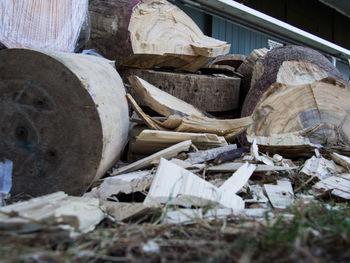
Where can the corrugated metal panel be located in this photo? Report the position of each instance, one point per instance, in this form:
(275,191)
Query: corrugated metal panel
(242,40)
(197,16)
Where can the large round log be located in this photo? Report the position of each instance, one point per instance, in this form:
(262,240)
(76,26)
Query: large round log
(64,119)
(290,65)
(150,33)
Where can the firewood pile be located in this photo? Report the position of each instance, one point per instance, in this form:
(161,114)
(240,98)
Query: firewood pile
(208,135)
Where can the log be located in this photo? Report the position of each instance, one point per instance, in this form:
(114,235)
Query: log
(233,60)
(192,88)
(296,88)
(150,33)
(46,25)
(62,124)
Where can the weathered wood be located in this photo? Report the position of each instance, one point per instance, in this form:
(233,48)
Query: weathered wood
(233,60)
(220,69)
(46,25)
(208,155)
(146,162)
(319,167)
(177,186)
(122,184)
(341,159)
(231,155)
(336,185)
(161,101)
(150,141)
(57,210)
(157,33)
(62,124)
(260,168)
(281,195)
(205,92)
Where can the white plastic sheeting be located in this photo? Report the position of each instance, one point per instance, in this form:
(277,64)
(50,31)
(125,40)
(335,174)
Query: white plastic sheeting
(42,24)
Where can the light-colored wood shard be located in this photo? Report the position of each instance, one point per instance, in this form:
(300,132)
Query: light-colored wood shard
(150,141)
(146,162)
(234,166)
(258,195)
(254,151)
(122,184)
(238,179)
(177,186)
(208,155)
(319,167)
(189,216)
(281,195)
(341,159)
(52,25)
(78,214)
(336,185)
(161,101)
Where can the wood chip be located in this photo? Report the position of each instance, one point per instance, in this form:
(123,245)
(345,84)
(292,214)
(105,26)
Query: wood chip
(281,195)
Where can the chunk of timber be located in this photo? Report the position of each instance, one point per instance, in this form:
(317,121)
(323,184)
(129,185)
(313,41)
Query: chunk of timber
(206,92)
(281,195)
(177,186)
(246,69)
(319,167)
(254,151)
(233,60)
(336,185)
(341,159)
(90,112)
(122,184)
(44,25)
(288,144)
(235,183)
(231,155)
(161,101)
(146,162)
(260,168)
(150,33)
(150,141)
(190,216)
(127,211)
(208,155)
(78,214)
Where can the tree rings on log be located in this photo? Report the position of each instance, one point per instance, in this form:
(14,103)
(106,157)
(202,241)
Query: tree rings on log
(64,119)
(205,92)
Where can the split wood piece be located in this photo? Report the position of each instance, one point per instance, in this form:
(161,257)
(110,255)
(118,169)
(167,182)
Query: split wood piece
(90,112)
(290,66)
(260,168)
(190,216)
(146,162)
(43,25)
(150,122)
(122,184)
(208,155)
(258,196)
(235,183)
(150,33)
(246,69)
(233,60)
(78,214)
(341,159)
(320,107)
(254,151)
(128,211)
(319,167)
(336,185)
(288,144)
(177,186)
(161,101)
(281,195)
(150,141)
(231,155)
(205,92)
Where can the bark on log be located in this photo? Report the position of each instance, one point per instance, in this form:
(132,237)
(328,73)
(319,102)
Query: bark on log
(150,33)
(64,119)
(296,89)
(208,93)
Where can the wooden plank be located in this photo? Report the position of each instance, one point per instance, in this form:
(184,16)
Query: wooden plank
(260,168)
(341,159)
(161,101)
(122,184)
(319,167)
(177,186)
(333,182)
(208,155)
(150,141)
(146,162)
(194,89)
(281,195)
(78,214)
(238,179)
